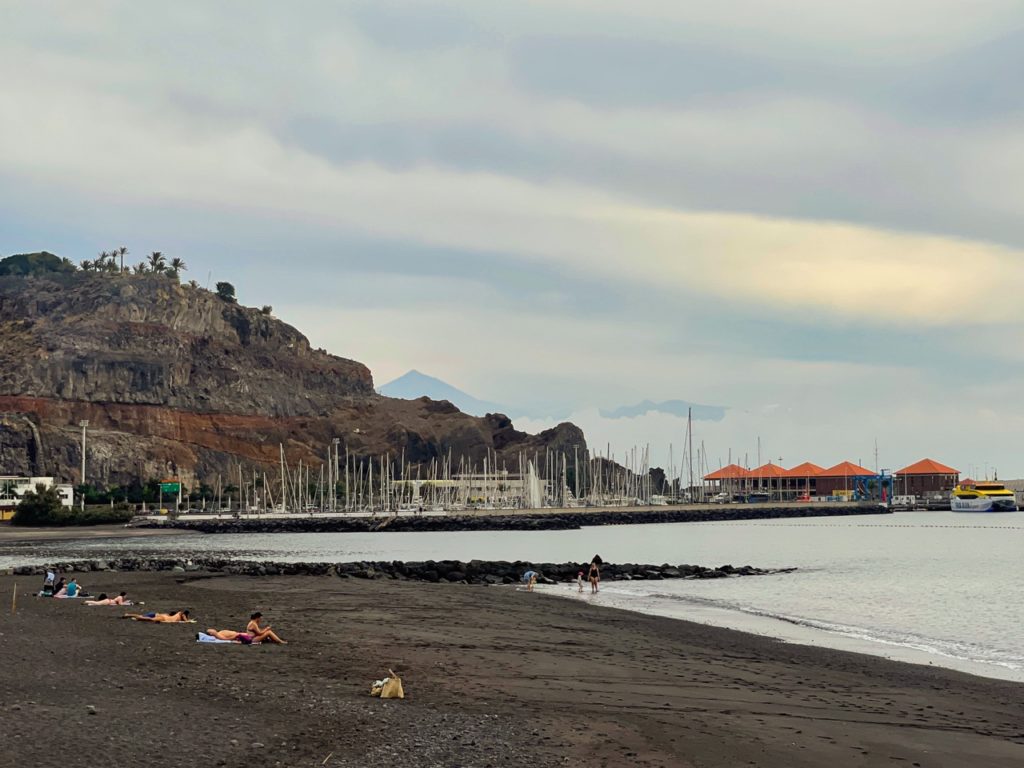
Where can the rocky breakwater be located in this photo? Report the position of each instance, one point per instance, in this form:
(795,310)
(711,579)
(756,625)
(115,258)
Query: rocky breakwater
(492,572)
(520,521)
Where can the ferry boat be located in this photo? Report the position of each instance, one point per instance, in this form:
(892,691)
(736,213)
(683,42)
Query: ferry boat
(984,496)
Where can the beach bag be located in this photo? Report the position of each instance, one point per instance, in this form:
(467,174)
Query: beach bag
(392,688)
(389,687)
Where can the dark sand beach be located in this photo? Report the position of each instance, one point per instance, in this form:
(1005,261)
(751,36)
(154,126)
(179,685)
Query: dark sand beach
(11,534)
(494,677)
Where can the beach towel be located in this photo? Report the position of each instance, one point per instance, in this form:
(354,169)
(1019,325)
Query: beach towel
(202,637)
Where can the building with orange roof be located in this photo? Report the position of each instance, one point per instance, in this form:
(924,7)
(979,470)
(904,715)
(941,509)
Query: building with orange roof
(802,481)
(729,479)
(845,479)
(926,477)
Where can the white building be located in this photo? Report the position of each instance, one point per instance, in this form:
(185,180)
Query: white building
(12,488)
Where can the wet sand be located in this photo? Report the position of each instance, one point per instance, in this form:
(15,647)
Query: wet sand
(494,677)
(10,534)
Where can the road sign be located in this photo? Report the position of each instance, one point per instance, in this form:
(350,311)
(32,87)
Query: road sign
(170,487)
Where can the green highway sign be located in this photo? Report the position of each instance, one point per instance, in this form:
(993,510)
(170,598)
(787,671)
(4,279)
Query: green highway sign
(170,487)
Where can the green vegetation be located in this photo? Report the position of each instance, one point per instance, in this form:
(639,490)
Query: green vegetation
(110,262)
(42,507)
(226,291)
(34,264)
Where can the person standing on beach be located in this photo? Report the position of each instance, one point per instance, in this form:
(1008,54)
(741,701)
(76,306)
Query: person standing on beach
(595,574)
(579,582)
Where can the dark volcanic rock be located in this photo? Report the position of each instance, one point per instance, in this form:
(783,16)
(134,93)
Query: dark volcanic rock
(477,572)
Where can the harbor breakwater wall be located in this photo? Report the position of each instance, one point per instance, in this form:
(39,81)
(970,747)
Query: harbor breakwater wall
(520,521)
(448,571)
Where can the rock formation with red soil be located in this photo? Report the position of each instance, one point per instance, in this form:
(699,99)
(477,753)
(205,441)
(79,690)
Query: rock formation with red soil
(176,381)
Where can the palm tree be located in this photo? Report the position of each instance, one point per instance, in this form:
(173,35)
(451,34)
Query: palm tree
(178,266)
(122,252)
(86,265)
(157,263)
(141,268)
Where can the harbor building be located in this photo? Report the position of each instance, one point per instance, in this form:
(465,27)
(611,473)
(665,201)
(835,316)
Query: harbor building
(845,480)
(926,477)
(12,488)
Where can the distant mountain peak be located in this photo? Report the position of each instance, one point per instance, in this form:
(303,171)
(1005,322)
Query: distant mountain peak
(414,384)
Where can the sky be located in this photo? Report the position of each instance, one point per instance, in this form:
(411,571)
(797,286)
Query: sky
(805,211)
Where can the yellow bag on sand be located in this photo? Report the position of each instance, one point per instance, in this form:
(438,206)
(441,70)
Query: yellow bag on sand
(392,688)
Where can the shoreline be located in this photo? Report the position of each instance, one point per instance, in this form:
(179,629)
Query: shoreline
(494,676)
(786,630)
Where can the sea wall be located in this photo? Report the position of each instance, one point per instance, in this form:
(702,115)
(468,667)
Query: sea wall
(520,521)
(450,571)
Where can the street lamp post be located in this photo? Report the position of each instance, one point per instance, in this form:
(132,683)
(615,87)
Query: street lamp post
(83,424)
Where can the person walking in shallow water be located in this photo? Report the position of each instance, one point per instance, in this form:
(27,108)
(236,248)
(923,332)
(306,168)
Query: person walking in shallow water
(594,576)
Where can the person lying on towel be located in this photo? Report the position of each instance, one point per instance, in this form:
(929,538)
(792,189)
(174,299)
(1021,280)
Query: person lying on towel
(226,636)
(104,600)
(181,617)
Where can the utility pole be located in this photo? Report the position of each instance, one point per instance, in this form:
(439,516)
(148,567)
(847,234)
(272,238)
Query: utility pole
(334,475)
(83,424)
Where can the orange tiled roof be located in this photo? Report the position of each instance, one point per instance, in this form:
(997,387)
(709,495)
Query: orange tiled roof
(846,469)
(728,472)
(807,469)
(768,470)
(928,467)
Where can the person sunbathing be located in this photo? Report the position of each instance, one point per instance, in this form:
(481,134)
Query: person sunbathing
(104,600)
(232,636)
(160,618)
(262,634)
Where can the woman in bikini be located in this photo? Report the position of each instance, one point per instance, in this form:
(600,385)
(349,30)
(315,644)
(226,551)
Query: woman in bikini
(262,634)
(104,600)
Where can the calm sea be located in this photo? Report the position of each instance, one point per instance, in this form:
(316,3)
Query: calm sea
(929,587)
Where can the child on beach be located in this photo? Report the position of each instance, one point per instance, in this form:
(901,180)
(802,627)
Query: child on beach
(579,582)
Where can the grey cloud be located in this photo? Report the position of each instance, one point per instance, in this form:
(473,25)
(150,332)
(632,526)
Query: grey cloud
(613,72)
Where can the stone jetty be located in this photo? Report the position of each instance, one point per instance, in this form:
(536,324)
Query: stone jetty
(448,571)
(518,521)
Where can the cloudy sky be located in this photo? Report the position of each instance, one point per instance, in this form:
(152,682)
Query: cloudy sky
(807,211)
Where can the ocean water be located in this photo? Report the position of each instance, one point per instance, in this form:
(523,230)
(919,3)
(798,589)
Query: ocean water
(928,587)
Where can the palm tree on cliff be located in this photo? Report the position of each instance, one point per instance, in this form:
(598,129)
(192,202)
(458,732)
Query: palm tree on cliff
(178,266)
(122,252)
(86,265)
(157,262)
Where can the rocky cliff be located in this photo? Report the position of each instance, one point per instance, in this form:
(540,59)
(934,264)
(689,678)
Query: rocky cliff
(174,380)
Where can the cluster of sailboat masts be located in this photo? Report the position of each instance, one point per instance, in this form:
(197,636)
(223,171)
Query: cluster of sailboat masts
(345,482)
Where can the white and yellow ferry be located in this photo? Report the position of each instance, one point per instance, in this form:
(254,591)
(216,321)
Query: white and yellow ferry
(983,496)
